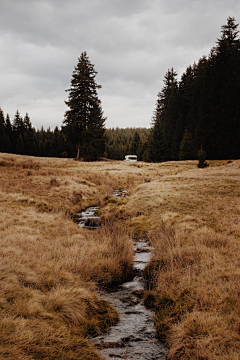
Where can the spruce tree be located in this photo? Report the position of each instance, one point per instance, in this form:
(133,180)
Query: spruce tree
(2,132)
(27,123)
(135,144)
(9,132)
(225,92)
(18,125)
(157,146)
(84,121)
(165,119)
(187,149)
(18,129)
(29,137)
(202,158)
(20,147)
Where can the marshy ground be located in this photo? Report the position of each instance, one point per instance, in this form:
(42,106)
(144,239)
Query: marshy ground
(51,268)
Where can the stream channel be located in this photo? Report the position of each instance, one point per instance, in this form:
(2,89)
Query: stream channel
(134,336)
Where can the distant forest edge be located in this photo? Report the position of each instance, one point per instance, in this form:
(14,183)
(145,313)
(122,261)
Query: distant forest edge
(201,111)
(19,137)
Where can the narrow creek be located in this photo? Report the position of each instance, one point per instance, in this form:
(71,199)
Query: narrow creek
(133,337)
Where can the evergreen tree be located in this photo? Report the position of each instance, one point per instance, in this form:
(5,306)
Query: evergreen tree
(20,147)
(157,146)
(187,150)
(27,123)
(18,129)
(2,132)
(57,143)
(18,125)
(135,144)
(202,157)
(166,117)
(9,134)
(29,137)
(224,92)
(84,120)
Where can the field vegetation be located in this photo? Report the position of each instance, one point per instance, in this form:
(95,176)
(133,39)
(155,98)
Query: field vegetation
(51,269)
(191,217)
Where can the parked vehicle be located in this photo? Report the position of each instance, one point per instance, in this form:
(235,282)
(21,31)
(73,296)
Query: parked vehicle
(131,158)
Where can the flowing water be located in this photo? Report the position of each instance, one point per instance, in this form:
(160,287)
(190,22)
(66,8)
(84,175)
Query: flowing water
(134,336)
(88,218)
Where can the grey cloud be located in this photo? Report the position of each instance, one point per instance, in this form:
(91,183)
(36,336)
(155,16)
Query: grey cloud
(132,44)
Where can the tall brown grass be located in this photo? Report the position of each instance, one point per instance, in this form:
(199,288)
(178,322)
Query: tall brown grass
(191,217)
(51,269)
(194,275)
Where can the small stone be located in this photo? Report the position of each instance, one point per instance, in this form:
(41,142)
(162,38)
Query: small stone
(140,250)
(138,292)
(93,222)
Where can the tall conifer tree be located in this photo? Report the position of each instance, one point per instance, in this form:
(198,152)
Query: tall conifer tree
(84,121)
(2,132)
(225,91)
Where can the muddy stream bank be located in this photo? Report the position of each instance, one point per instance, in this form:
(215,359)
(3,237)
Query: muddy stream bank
(133,337)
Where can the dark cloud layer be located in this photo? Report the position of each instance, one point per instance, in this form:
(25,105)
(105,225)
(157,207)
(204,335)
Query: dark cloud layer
(132,44)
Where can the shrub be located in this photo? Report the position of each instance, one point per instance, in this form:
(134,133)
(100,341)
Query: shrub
(202,159)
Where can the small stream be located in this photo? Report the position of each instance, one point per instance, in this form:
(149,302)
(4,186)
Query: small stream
(88,218)
(133,337)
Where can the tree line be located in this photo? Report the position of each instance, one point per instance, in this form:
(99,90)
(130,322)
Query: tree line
(195,116)
(18,136)
(121,142)
(201,112)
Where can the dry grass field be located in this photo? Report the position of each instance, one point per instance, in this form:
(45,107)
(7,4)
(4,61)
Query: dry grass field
(51,268)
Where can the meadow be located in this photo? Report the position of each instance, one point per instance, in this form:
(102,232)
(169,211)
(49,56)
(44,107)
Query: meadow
(51,269)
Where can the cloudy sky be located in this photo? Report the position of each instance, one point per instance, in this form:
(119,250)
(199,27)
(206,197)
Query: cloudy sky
(131,42)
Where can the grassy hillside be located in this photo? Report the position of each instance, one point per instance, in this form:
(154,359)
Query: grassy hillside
(51,269)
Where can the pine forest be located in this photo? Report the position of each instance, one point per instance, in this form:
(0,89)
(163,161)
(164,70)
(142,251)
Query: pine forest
(198,113)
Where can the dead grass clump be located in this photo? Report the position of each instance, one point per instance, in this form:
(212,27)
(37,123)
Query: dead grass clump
(7,163)
(10,162)
(204,336)
(48,290)
(29,165)
(76,197)
(114,210)
(54,182)
(193,289)
(109,259)
(40,339)
(79,306)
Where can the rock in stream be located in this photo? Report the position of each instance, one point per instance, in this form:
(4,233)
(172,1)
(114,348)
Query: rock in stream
(88,218)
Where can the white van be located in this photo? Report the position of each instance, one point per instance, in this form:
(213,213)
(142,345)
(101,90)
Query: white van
(131,158)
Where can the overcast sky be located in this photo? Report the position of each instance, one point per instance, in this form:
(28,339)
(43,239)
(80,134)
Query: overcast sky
(132,44)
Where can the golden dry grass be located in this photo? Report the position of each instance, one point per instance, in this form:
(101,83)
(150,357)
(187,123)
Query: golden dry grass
(191,217)
(51,268)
